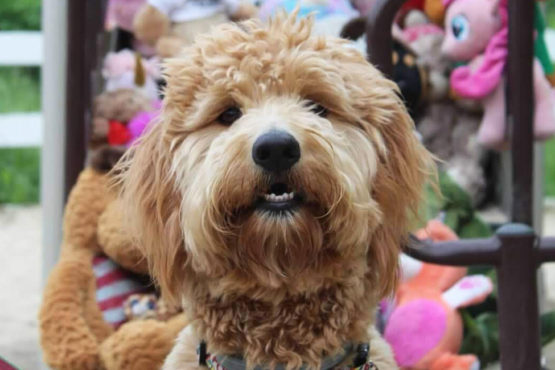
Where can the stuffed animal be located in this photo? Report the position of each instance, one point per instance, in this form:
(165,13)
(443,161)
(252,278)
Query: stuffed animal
(127,70)
(435,11)
(477,32)
(448,126)
(424,327)
(120,13)
(119,18)
(82,318)
(141,122)
(411,77)
(112,111)
(169,25)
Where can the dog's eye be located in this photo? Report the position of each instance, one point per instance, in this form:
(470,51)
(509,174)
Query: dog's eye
(229,116)
(317,109)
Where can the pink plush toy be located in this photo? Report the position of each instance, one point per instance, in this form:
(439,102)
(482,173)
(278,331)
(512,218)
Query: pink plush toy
(127,70)
(141,122)
(424,327)
(477,32)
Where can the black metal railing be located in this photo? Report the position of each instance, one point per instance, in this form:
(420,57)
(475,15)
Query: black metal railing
(515,250)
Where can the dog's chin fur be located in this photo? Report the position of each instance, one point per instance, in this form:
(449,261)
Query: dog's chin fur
(286,287)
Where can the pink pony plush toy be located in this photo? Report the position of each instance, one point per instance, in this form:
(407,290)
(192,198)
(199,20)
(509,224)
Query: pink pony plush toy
(477,32)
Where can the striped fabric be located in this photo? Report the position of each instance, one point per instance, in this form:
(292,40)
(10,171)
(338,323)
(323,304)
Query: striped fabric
(113,286)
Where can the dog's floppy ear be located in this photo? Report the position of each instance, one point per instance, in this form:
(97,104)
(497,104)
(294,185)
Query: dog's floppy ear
(403,169)
(152,207)
(406,166)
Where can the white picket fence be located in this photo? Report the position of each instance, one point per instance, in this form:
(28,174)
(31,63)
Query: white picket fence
(21,48)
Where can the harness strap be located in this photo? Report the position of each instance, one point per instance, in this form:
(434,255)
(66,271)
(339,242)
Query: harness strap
(212,364)
(360,362)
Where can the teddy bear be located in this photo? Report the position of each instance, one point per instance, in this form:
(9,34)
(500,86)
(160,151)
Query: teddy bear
(82,316)
(169,25)
(113,110)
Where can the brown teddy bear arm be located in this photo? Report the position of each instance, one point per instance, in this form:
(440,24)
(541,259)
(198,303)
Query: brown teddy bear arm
(66,338)
(86,202)
(142,344)
(116,240)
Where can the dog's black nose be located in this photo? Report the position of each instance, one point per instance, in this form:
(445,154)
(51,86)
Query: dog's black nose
(276,151)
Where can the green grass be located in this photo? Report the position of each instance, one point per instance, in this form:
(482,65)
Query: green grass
(19,15)
(19,89)
(19,175)
(20,167)
(19,92)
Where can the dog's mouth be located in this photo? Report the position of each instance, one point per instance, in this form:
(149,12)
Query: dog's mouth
(279,198)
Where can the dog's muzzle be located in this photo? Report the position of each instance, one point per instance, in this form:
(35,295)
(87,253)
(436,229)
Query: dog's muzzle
(276,151)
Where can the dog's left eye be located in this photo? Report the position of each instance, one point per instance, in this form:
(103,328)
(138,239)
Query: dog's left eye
(317,109)
(229,116)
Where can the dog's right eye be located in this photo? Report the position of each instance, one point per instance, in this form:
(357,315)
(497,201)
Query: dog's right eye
(317,109)
(229,116)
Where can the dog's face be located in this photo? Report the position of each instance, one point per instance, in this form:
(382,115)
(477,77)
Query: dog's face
(277,157)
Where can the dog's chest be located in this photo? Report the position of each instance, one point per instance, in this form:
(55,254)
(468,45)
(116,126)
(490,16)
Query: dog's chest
(303,325)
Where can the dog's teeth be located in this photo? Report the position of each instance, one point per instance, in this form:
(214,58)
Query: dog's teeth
(279,198)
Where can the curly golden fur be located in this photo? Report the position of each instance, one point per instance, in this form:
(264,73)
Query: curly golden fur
(276,288)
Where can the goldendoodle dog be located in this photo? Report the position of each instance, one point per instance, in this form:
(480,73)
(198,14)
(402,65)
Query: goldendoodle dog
(272,197)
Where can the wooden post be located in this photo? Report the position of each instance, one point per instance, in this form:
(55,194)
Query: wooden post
(520,106)
(517,300)
(85,22)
